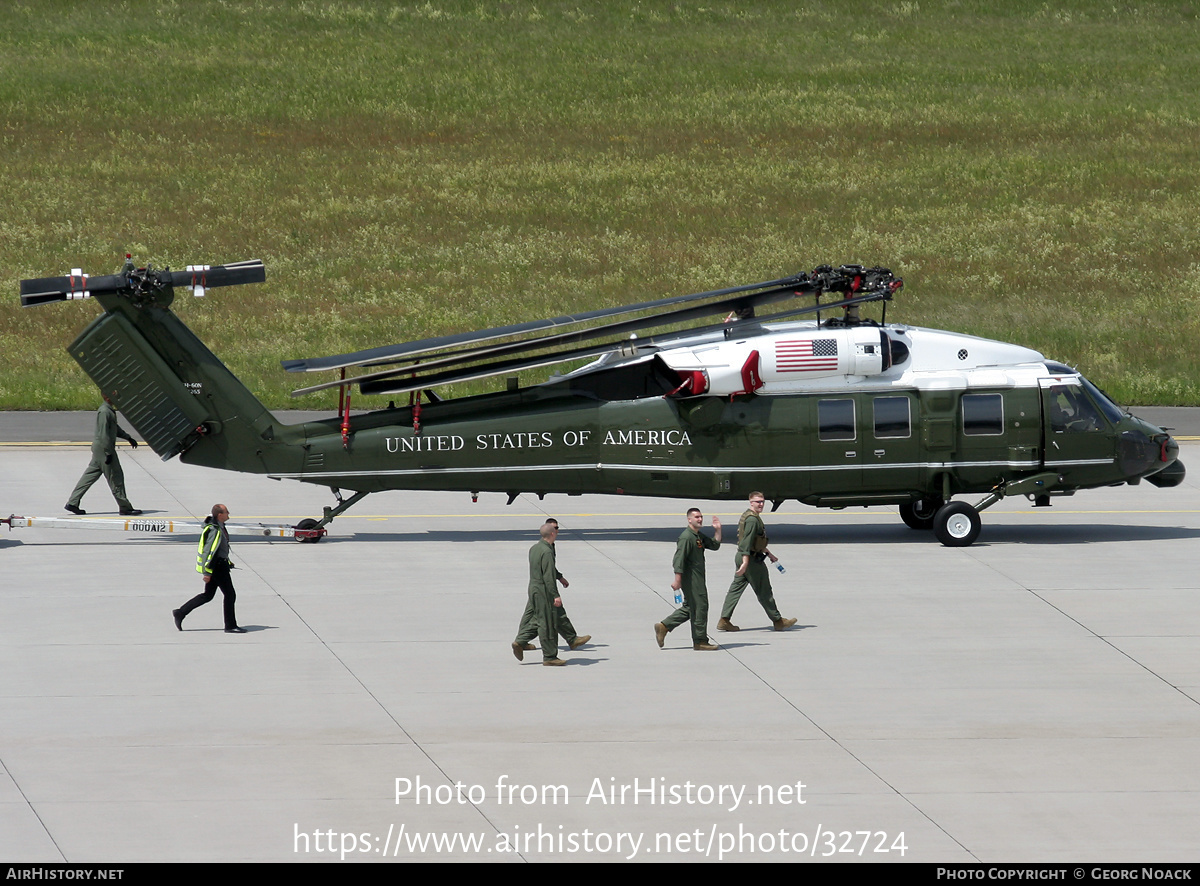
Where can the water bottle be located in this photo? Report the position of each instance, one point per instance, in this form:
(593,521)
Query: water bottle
(679,598)
(779,566)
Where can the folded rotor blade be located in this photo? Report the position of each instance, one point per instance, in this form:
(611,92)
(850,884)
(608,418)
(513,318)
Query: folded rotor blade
(621,327)
(408,350)
(400,381)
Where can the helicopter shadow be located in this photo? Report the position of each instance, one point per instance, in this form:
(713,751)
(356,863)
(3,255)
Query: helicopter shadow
(1077,533)
(798,534)
(458,536)
(1041,534)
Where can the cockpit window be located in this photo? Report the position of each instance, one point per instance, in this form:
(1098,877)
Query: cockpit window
(1071,410)
(1107,406)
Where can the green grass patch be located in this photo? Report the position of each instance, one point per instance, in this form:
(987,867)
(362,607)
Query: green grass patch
(414,169)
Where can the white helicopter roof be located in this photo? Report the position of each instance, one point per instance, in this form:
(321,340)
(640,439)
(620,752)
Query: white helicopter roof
(804,356)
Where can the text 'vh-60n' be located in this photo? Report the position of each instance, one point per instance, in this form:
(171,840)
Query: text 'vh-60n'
(812,402)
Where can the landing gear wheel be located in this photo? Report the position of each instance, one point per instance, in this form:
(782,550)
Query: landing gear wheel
(919,514)
(956,524)
(308,523)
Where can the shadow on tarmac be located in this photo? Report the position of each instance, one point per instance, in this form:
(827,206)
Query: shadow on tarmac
(1040,534)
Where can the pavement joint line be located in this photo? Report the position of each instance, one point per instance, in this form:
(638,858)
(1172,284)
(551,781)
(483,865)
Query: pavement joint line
(853,756)
(1118,649)
(374,698)
(4,768)
(993,568)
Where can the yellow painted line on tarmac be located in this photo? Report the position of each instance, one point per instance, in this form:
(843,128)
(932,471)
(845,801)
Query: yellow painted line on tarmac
(1064,511)
(856,512)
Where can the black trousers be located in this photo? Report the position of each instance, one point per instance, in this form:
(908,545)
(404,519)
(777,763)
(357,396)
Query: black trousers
(220,579)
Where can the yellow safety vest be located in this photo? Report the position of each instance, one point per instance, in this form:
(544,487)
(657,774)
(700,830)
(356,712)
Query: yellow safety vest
(210,539)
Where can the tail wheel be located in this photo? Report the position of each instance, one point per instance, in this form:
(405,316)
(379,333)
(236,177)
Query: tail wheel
(308,523)
(956,524)
(919,514)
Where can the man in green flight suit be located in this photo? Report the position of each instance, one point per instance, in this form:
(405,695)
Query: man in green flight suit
(752,569)
(544,599)
(105,463)
(528,628)
(689,575)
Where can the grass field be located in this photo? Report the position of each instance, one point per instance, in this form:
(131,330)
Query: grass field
(411,169)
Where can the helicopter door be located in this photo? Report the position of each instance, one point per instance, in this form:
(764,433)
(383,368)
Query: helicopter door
(837,451)
(1079,441)
(891,448)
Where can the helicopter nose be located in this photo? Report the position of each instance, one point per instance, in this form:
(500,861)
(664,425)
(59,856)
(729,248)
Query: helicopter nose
(1137,453)
(1174,472)
(1170,449)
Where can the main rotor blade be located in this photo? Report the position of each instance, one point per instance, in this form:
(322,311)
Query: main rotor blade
(407,350)
(376,383)
(621,327)
(873,283)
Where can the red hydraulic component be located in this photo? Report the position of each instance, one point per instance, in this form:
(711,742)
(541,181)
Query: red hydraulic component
(344,409)
(751,374)
(695,382)
(414,402)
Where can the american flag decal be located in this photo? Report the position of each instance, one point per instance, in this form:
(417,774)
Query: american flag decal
(806,355)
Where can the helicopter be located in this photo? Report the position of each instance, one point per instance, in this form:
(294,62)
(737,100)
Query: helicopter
(814,403)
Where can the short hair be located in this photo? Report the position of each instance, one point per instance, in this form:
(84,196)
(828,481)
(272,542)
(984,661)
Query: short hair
(219,509)
(548,529)
(691,511)
(551,520)
(756,495)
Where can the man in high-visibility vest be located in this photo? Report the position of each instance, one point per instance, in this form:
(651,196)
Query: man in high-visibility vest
(213,564)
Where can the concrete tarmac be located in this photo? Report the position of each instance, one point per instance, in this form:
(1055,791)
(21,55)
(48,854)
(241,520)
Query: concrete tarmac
(1031,698)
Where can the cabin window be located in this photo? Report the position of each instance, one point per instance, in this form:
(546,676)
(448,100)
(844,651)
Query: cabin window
(983,414)
(835,419)
(892,417)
